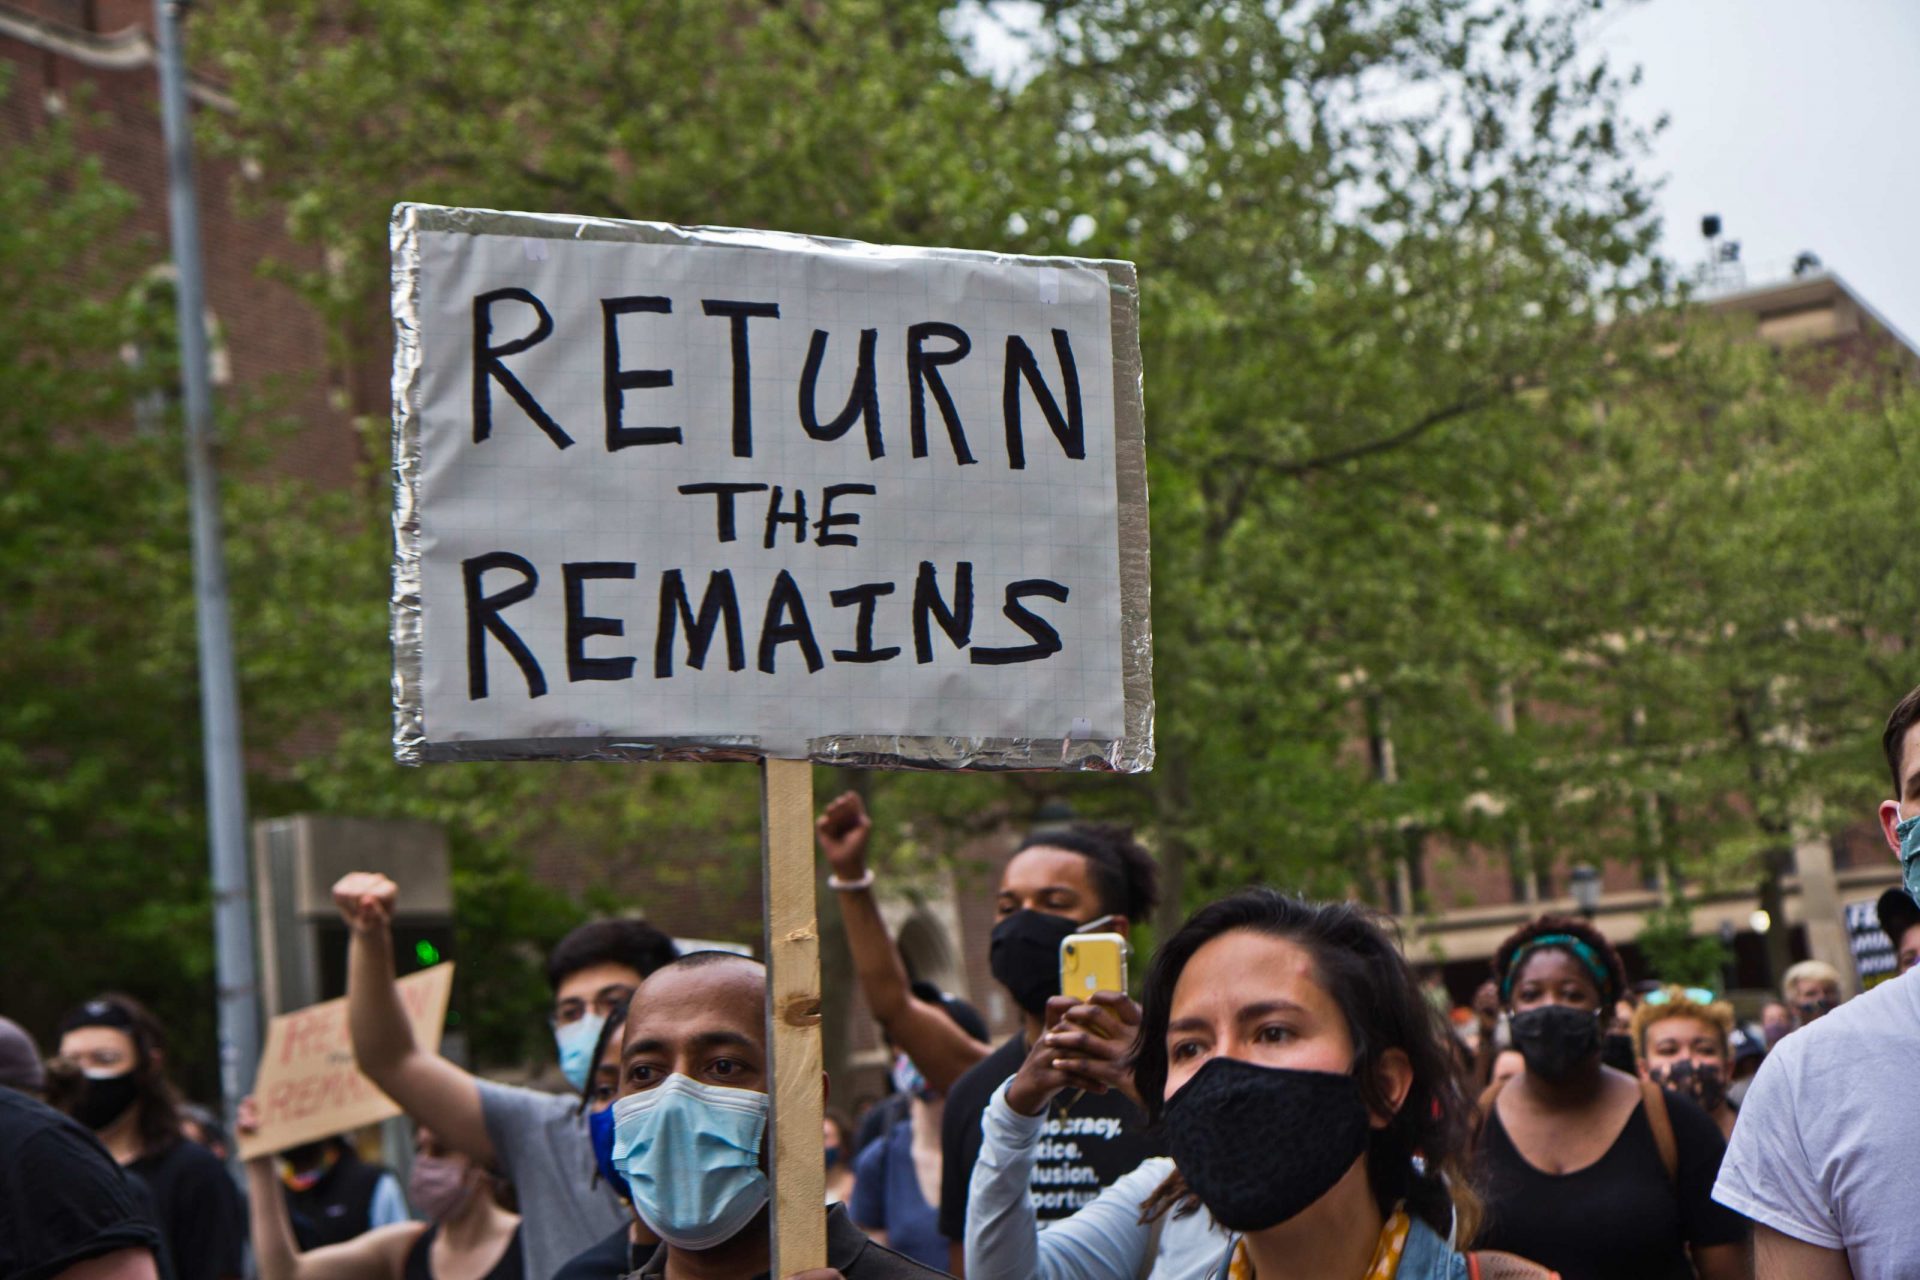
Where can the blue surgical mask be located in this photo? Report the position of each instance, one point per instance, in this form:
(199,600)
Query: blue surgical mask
(576,1041)
(1907,832)
(691,1155)
(600,1129)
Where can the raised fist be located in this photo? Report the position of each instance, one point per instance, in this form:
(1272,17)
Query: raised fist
(843,830)
(366,900)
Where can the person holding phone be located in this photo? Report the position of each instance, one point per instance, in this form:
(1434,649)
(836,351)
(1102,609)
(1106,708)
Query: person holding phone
(1081,877)
(1315,1116)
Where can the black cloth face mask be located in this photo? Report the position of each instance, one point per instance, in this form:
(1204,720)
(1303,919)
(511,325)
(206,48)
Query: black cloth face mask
(104,1099)
(1260,1144)
(1024,955)
(1616,1051)
(1555,1038)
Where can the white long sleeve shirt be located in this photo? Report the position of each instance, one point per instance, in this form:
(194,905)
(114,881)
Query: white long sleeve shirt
(1105,1240)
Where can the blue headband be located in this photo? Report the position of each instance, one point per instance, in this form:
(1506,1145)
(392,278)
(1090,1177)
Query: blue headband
(1579,950)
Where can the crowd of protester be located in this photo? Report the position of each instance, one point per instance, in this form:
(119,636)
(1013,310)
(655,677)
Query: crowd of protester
(1287,1098)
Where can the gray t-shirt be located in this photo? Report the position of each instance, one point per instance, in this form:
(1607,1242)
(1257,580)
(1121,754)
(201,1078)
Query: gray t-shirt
(1823,1150)
(546,1153)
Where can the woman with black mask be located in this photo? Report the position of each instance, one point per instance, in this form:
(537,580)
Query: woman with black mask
(124,1096)
(1585,1168)
(1315,1115)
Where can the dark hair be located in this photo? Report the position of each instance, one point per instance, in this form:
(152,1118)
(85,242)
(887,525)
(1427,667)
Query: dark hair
(838,1119)
(609,1030)
(1616,973)
(633,943)
(1123,873)
(1359,966)
(1905,713)
(156,1100)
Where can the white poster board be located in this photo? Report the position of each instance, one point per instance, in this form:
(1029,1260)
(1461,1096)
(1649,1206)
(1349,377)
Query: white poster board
(697,493)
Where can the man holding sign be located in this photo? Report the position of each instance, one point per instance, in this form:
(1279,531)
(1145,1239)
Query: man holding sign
(537,1138)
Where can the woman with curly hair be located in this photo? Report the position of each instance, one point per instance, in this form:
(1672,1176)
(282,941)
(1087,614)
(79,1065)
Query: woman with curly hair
(1305,1089)
(1585,1168)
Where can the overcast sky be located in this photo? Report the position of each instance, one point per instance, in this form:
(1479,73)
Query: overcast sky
(1798,122)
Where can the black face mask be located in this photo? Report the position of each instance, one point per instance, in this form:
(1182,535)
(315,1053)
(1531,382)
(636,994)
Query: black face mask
(1554,1039)
(1260,1144)
(1617,1052)
(1024,955)
(105,1099)
(1703,1083)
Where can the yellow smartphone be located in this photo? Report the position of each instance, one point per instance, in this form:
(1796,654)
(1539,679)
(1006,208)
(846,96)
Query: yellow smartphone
(1091,962)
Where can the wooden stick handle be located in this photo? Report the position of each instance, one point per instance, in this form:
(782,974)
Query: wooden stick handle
(793,1017)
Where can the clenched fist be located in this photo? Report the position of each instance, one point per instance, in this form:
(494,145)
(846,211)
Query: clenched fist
(366,900)
(843,831)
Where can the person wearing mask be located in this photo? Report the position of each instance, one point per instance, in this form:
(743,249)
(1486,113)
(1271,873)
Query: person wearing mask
(689,1130)
(1900,921)
(467,1233)
(1316,1118)
(1811,990)
(67,1211)
(1822,1159)
(897,1186)
(1776,1022)
(1084,877)
(837,1149)
(1681,1036)
(333,1195)
(1584,1168)
(881,1118)
(539,1140)
(627,1246)
(1748,1051)
(126,1099)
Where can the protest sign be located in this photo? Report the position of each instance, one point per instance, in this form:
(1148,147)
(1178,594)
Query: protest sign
(308,1088)
(698,493)
(1874,958)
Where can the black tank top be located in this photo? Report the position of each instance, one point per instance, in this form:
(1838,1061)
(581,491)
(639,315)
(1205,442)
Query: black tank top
(417,1268)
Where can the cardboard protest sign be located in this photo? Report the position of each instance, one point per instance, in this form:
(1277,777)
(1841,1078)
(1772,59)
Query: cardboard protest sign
(308,1088)
(700,493)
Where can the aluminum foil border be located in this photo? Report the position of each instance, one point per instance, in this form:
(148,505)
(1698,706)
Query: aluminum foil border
(1133,752)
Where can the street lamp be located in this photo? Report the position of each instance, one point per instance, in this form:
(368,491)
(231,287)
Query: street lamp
(1585,883)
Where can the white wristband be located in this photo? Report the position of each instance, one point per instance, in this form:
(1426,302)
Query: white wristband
(838,885)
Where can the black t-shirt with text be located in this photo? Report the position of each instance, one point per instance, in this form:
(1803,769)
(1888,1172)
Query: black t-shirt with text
(63,1200)
(1621,1215)
(1089,1143)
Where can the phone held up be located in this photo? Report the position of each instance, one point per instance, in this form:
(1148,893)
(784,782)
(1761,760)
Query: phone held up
(1091,962)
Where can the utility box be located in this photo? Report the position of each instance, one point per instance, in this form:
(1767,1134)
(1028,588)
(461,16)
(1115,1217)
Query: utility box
(303,941)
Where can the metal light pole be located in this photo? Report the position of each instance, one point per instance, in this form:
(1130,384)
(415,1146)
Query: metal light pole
(219,690)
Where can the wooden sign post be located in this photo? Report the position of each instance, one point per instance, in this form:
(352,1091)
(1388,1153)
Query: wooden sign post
(793,1012)
(695,493)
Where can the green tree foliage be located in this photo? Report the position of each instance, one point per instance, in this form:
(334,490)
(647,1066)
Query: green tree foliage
(1426,439)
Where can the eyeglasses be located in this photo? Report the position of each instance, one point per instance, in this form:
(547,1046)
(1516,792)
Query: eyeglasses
(1698,995)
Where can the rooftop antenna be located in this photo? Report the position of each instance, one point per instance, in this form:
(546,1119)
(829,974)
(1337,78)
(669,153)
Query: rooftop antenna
(1723,269)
